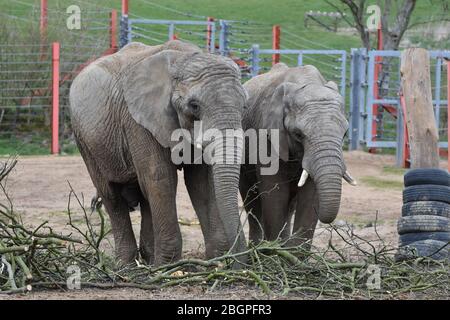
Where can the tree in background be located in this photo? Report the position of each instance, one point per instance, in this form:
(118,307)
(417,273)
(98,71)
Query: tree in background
(395,18)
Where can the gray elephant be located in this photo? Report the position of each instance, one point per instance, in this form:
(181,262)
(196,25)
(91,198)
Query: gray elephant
(124,110)
(309,114)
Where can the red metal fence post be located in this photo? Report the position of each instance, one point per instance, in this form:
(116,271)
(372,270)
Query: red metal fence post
(43,22)
(276,31)
(124,7)
(55,98)
(448,114)
(209,34)
(113,31)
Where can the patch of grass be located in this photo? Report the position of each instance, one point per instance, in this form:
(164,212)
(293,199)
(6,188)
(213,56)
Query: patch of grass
(394,170)
(69,149)
(382,183)
(32,146)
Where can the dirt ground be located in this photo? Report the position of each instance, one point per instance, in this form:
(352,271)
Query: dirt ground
(39,189)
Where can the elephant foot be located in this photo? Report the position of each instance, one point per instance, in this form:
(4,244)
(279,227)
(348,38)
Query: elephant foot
(147,254)
(126,256)
(168,252)
(215,248)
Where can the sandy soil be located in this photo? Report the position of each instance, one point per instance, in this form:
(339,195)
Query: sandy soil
(39,189)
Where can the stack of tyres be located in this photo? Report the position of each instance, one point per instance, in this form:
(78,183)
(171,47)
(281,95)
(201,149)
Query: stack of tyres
(424,228)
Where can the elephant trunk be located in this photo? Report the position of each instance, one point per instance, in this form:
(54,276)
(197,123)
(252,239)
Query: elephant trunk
(226,171)
(327,170)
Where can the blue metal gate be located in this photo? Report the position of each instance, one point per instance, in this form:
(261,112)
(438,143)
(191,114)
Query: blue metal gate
(375,113)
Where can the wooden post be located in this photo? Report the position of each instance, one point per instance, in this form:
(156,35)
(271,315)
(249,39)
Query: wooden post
(276,31)
(420,120)
(55,98)
(113,31)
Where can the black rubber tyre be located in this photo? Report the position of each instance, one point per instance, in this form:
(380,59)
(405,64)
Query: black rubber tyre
(437,250)
(409,238)
(432,208)
(426,192)
(427,176)
(413,224)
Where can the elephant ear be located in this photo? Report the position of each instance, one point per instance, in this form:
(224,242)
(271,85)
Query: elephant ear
(274,117)
(147,88)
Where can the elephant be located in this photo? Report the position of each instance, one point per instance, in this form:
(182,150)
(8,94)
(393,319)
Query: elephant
(308,113)
(124,110)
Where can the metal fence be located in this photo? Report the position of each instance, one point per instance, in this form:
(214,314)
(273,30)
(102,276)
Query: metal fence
(336,62)
(27,71)
(376,117)
(202,33)
(235,39)
(25,92)
(374,77)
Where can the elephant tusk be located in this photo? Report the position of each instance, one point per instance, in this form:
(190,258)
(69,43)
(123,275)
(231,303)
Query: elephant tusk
(303,178)
(347,177)
(198,140)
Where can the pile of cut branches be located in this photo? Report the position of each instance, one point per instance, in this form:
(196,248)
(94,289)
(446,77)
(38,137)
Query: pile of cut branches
(349,267)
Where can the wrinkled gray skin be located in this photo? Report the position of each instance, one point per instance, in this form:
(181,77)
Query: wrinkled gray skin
(124,108)
(309,113)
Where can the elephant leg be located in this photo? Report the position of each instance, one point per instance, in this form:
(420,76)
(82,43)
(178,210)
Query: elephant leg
(158,181)
(274,190)
(117,209)
(161,187)
(198,180)
(119,216)
(306,215)
(147,240)
(248,187)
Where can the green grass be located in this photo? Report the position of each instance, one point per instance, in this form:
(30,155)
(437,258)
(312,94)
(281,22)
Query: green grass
(394,170)
(287,13)
(32,146)
(382,183)
(12,146)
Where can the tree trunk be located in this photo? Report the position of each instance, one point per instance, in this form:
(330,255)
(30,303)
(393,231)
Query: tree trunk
(420,120)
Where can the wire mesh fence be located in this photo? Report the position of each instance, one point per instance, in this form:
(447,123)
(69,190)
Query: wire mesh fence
(25,92)
(26,70)
(383,92)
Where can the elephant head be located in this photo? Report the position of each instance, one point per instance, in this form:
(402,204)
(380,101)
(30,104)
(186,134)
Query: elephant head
(309,113)
(171,90)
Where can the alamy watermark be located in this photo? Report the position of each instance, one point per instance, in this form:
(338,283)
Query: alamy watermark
(73,22)
(373,281)
(213,146)
(373,21)
(73,282)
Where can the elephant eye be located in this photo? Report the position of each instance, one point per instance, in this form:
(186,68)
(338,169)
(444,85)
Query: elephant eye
(299,135)
(194,106)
